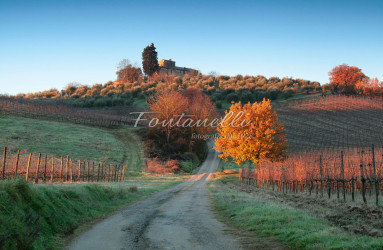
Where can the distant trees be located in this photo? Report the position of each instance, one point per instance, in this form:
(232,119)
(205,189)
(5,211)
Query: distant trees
(351,80)
(128,73)
(251,133)
(149,60)
(344,78)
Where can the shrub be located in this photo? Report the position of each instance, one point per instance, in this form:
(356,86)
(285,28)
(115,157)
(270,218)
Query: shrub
(232,97)
(155,166)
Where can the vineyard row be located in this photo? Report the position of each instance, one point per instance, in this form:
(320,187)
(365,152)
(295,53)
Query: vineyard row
(44,168)
(344,173)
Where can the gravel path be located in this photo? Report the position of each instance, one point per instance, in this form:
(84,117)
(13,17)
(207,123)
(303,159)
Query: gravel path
(176,218)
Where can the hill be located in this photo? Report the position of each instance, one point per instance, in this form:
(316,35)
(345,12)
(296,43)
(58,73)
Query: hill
(332,122)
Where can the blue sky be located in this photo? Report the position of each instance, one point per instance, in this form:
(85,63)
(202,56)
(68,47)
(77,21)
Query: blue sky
(47,44)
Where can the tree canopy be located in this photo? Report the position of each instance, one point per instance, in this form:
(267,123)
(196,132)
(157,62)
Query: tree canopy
(345,78)
(251,133)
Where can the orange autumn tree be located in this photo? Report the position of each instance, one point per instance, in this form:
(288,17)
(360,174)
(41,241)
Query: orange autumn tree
(201,108)
(166,106)
(346,78)
(251,133)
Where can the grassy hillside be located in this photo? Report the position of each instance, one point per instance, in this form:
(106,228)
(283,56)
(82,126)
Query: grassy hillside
(39,216)
(59,138)
(256,215)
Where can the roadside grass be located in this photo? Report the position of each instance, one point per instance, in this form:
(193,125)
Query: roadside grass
(59,138)
(288,225)
(186,166)
(40,216)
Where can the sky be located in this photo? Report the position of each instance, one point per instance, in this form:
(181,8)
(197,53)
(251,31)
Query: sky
(48,44)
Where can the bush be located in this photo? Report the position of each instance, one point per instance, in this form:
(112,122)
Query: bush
(155,166)
(232,97)
(246,96)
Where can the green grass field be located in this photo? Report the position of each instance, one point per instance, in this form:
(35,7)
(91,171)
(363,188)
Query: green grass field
(288,225)
(39,216)
(120,146)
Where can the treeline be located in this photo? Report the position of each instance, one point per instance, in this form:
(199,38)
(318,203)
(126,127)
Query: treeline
(227,88)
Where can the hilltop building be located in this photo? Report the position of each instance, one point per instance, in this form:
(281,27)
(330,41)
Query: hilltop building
(169,67)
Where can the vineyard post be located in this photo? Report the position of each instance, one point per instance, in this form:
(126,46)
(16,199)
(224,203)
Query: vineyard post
(321,175)
(87,177)
(375,179)
(329,186)
(343,181)
(45,167)
(83,171)
(103,171)
(61,168)
(118,172)
(67,168)
(92,171)
(79,170)
(29,164)
(109,173)
(4,161)
(37,170)
(17,162)
(363,179)
(112,173)
(71,170)
(98,172)
(123,173)
(53,168)
(116,169)
(353,188)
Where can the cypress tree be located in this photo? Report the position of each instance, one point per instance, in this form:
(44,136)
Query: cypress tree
(149,60)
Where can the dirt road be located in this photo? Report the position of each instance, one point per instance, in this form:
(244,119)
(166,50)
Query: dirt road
(177,218)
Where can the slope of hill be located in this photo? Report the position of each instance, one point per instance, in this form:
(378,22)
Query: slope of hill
(332,122)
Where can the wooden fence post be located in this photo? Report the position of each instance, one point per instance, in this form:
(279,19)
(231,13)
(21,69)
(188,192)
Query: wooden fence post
(343,181)
(123,173)
(29,164)
(71,170)
(321,175)
(67,168)
(61,168)
(87,177)
(112,173)
(53,168)
(17,162)
(375,179)
(98,172)
(92,171)
(45,167)
(37,170)
(363,179)
(79,170)
(4,161)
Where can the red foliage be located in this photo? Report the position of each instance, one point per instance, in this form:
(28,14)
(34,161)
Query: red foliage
(347,77)
(156,166)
